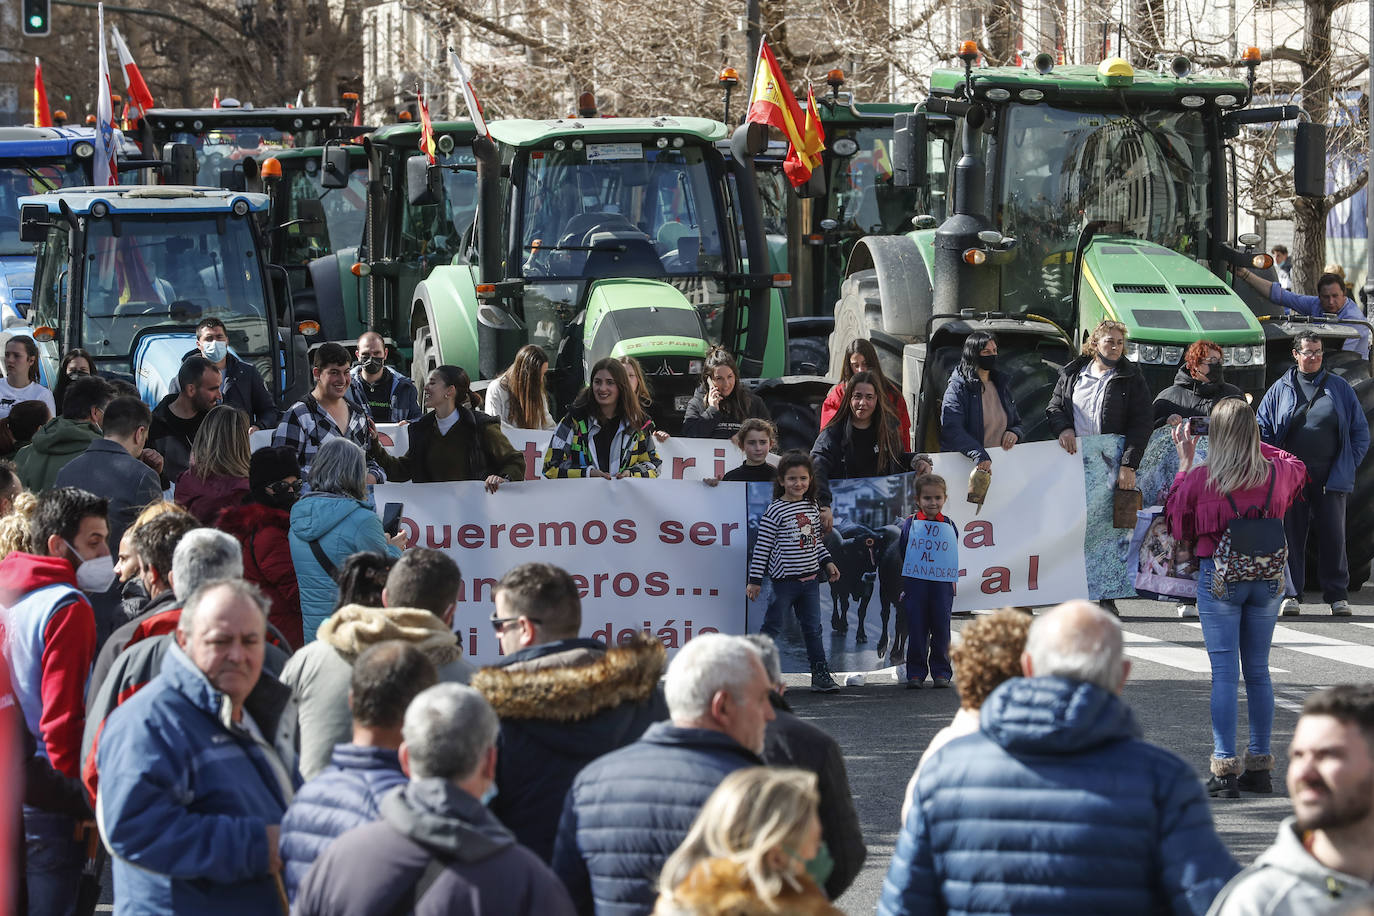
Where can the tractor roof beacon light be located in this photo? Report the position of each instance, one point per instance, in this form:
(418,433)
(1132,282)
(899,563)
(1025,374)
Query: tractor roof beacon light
(586,105)
(271,168)
(1250,59)
(728,79)
(968,53)
(1115,73)
(835,79)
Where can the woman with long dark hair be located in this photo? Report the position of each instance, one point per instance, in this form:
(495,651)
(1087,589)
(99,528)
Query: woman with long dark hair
(978,411)
(606,433)
(519,397)
(862,356)
(723,402)
(75,364)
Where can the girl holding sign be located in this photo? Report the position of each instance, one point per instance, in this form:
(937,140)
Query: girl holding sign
(930,567)
(789,550)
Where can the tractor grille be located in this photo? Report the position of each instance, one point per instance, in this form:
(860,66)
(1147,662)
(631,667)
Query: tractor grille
(1203,290)
(1140,289)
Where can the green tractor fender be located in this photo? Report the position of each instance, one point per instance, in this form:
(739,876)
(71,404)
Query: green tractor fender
(443,321)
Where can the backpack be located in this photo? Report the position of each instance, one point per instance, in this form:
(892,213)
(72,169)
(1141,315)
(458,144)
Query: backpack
(1253,548)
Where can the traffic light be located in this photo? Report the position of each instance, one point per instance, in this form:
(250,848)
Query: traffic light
(37,17)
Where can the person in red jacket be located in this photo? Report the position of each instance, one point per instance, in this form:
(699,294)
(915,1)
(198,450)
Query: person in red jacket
(261,525)
(860,356)
(49,642)
(218,476)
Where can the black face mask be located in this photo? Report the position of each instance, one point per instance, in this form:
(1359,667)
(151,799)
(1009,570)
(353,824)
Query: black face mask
(76,373)
(1109,363)
(372,364)
(1216,374)
(987,361)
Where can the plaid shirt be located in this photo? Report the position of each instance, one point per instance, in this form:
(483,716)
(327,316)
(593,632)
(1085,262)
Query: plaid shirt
(307,426)
(570,451)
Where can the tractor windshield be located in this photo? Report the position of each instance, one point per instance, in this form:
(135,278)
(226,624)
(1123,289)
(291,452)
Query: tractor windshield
(174,272)
(862,199)
(223,149)
(344,211)
(20,177)
(1145,175)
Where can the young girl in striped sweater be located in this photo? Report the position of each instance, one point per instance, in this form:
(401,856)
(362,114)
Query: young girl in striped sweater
(788,550)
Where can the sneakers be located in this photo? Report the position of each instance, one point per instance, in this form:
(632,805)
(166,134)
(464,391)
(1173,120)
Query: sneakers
(913,684)
(821,681)
(1223,786)
(940,682)
(1187,610)
(1340,608)
(1290,608)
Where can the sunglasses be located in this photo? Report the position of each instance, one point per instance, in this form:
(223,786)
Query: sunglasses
(499,624)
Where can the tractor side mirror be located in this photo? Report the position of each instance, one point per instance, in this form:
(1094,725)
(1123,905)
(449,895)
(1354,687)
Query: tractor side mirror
(424,183)
(908,150)
(334,167)
(180,167)
(1309,160)
(34,223)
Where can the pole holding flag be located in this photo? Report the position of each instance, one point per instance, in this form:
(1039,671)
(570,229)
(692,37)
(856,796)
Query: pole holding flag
(140,99)
(106,169)
(460,73)
(42,115)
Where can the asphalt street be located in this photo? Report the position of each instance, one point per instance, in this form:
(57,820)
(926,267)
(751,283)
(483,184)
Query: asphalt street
(883,728)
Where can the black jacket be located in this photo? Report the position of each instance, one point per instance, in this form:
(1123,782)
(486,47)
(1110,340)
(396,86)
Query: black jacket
(1189,397)
(1125,409)
(247,391)
(479,450)
(562,705)
(833,457)
(705,422)
(794,742)
(166,437)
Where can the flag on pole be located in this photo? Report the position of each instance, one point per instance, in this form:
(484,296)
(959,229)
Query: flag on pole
(42,115)
(358,111)
(772,102)
(106,170)
(300,98)
(427,144)
(214,103)
(802,161)
(140,98)
(460,73)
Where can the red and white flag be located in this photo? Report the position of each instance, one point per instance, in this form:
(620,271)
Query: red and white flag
(42,115)
(106,170)
(139,98)
(474,107)
(214,103)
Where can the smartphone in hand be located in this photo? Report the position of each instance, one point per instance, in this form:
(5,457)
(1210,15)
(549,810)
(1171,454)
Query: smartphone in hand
(391,518)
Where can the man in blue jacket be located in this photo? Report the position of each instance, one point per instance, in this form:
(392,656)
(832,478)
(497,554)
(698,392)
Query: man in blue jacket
(199,766)
(1317,416)
(1057,805)
(1330,301)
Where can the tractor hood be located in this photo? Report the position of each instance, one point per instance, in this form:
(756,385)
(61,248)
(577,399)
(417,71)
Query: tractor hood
(1162,296)
(647,319)
(157,357)
(16,287)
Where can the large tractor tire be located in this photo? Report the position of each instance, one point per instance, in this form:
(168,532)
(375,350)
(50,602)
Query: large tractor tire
(1348,364)
(858,313)
(1359,506)
(807,356)
(426,356)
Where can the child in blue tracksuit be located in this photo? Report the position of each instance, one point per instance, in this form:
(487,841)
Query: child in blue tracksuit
(927,603)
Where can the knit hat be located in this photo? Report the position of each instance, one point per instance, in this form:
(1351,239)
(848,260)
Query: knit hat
(268,465)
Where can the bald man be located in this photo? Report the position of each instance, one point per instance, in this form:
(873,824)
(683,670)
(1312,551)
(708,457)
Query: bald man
(1056,802)
(387,395)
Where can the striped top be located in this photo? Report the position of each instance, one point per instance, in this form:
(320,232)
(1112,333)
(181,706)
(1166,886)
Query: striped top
(788,545)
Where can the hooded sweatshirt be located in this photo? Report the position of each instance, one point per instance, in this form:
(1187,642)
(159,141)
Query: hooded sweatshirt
(58,442)
(371,870)
(320,673)
(1287,881)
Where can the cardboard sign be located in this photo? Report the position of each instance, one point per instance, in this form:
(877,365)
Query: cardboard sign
(932,552)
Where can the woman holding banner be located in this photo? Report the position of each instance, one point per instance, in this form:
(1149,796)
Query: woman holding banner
(723,402)
(606,433)
(1237,613)
(978,411)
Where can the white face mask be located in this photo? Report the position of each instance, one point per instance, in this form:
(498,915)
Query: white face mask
(214,350)
(94,576)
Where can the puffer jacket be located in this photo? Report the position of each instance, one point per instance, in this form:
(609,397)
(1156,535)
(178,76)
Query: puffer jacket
(961,414)
(263,532)
(59,441)
(628,810)
(1275,415)
(187,794)
(347,794)
(1286,880)
(1057,806)
(1188,397)
(1126,409)
(719,887)
(562,705)
(342,525)
(206,497)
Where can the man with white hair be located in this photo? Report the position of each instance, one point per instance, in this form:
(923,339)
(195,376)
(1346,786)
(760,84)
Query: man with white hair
(628,810)
(1057,804)
(199,767)
(437,849)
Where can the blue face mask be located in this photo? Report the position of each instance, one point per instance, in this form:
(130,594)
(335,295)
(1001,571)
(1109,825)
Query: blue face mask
(489,795)
(214,350)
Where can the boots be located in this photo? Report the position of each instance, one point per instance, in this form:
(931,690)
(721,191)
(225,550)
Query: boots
(821,681)
(1225,776)
(1256,776)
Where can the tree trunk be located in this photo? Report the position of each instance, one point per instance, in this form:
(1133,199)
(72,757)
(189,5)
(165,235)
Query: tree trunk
(1309,217)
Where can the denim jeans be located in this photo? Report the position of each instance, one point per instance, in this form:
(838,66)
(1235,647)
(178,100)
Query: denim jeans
(54,861)
(1238,630)
(804,599)
(927,606)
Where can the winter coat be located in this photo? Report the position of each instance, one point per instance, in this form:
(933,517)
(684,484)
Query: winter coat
(1188,397)
(374,869)
(169,437)
(1056,806)
(961,414)
(628,810)
(1126,409)
(1199,514)
(706,422)
(835,398)
(187,794)
(342,526)
(107,469)
(572,453)
(58,442)
(320,673)
(49,643)
(791,741)
(833,457)
(1282,400)
(1286,880)
(243,388)
(347,794)
(720,887)
(206,497)
(404,399)
(562,705)
(263,532)
(474,448)
(149,621)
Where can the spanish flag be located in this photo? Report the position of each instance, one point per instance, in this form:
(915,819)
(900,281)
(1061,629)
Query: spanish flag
(802,161)
(773,103)
(427,145)
(42,116)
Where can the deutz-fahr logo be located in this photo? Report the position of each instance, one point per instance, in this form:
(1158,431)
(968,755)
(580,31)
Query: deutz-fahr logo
(664,369)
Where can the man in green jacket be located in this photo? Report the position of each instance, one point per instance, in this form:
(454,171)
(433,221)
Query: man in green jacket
(62,439)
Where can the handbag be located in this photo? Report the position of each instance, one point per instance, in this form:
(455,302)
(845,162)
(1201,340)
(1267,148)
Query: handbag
(1253,548)
(1166,567)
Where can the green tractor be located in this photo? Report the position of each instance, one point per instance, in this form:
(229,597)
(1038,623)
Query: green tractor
(609,237)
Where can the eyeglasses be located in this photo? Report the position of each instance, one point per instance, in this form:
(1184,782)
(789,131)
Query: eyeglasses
(1308,354)
(499,624)
(281,487)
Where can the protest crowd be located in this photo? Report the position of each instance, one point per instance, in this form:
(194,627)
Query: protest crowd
(251,698)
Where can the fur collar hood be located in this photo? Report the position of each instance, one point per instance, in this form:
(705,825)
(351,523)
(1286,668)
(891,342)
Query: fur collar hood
(353,628)
(575,683)
(719,887)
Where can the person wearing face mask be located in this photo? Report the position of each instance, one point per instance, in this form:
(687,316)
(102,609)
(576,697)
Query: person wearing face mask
(262,525)
(1200,383)
(241,385)
(388,396)
(49,643)
(77,363)
(978,411)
